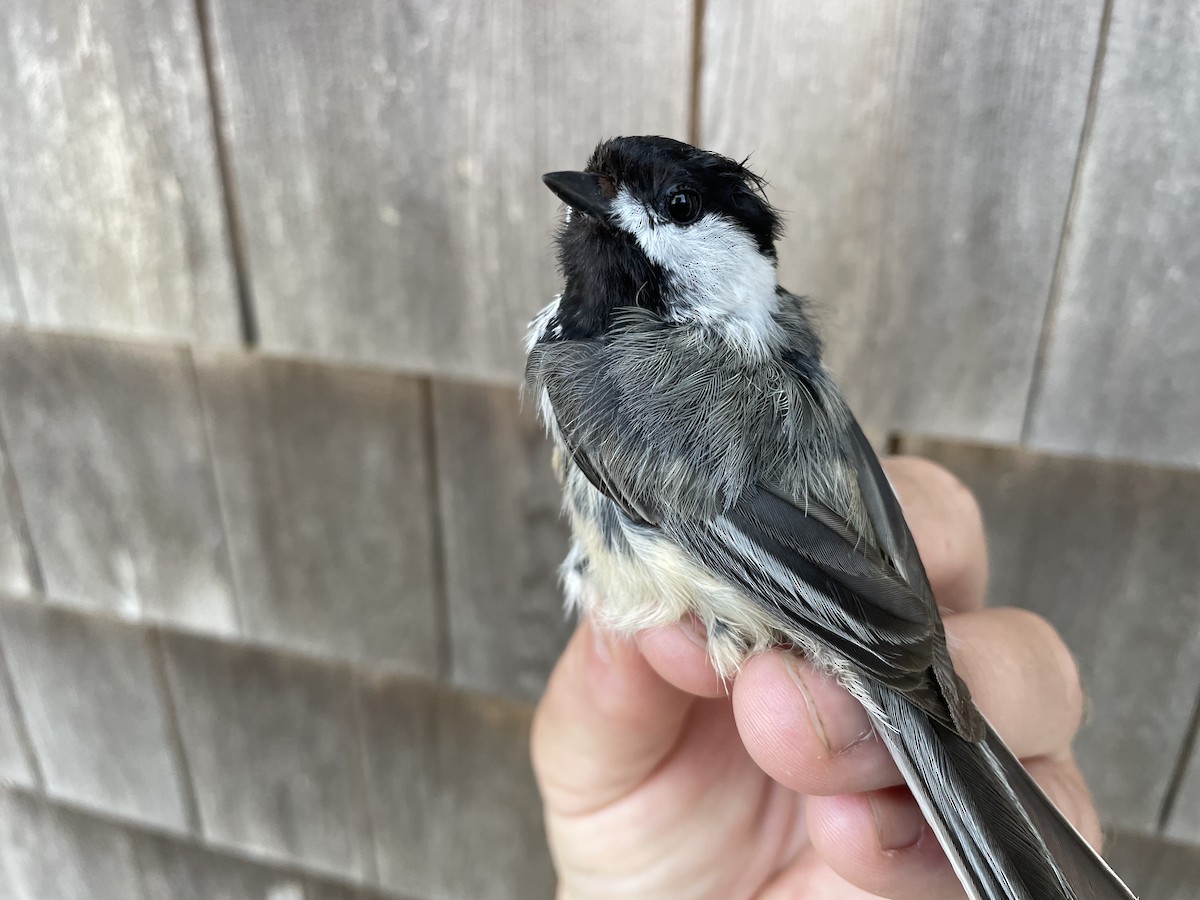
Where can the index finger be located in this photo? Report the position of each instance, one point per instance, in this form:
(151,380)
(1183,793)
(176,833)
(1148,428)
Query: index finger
(947,525)
(604,723)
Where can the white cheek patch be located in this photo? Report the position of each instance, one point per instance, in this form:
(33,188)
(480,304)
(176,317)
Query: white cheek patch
(720,276)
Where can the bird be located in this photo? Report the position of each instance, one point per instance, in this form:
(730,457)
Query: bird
(711,467)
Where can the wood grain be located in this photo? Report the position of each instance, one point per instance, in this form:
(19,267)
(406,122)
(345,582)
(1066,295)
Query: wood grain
(51,853)
(16,761)
(12,304)
(1123,360)
(1107,553)
(108,176)
(96,713)
(108,445)
(324,481)
(388,156)
(14,572)
(1184,821)
(923,155)
(1154,868)
(504,540)
(173,870)
(272,744)
(453,802)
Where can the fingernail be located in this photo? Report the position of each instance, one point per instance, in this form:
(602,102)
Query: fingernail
(840,725)
(898,820)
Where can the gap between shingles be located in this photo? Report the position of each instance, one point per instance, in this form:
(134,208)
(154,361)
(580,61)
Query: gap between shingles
(247,315)
(437,524)
(694,136)
(187,786)
(20,722)
(1054,295)
(8,254)
(11,489)
(1179,772)
(207,426)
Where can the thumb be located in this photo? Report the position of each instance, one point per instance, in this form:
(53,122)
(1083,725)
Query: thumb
(606,721)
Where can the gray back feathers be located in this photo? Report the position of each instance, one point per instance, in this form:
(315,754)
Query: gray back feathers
(683,426)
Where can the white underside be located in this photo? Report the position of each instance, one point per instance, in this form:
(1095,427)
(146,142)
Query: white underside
(655,583)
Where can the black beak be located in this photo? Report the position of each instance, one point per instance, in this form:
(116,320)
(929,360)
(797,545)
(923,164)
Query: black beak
(580,191)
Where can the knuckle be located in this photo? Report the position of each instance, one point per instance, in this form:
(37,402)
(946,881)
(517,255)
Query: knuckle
(953,541)
(960,501)
(954,499)
(1066,787)
(1045,640)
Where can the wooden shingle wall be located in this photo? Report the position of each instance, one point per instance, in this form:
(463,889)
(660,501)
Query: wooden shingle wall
(113,220)
(277,538)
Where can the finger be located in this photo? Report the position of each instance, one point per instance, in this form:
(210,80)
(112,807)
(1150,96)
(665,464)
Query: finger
(679,654)
(804,730)
(947,526)
(807,732)
(880,841)
(1064,784)
(1022,677)
(605,722)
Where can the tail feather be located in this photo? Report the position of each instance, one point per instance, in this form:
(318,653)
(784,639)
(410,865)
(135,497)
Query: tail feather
(1085,870)
(1004,838)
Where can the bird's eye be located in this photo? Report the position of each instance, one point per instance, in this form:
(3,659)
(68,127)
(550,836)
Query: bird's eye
(683,207)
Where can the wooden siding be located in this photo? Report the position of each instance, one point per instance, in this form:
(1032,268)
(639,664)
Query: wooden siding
(923,154)
(392,206)
(1107,553)
(108,445)
(109,183)
(1122,362)
(323,477)
(260,612)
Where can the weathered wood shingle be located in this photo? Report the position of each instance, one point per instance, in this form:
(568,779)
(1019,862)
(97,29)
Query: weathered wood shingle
(504,540)
(109,448)
(108,173)
(922,154)
(453,802)
(97,713)
(272,745)
(325,484)
(1154,868)
(1184,821)
(174,870)
(387,159)
(51,854)
(12,304)
(1123,359)
(1107,553)
(16,761)
(14,572)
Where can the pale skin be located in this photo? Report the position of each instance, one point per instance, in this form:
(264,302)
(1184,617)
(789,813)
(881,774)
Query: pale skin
(660,781)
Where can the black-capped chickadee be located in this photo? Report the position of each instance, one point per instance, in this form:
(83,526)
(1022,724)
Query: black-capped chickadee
(710,466)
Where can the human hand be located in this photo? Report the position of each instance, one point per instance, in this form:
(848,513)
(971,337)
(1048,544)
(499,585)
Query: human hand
(661,782)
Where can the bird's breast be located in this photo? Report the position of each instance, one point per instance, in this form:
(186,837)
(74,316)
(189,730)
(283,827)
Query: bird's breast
(630,577)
